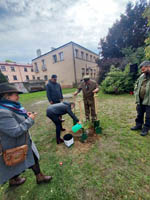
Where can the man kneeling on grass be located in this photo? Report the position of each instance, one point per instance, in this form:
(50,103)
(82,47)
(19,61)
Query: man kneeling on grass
(55,110)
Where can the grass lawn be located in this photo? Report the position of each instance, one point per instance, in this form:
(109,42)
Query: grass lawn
(116,166)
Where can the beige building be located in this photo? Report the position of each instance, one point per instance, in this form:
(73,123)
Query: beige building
(17,72)
(70,62)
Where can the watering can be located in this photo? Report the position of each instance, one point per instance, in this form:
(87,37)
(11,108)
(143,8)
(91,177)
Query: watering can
(76,127)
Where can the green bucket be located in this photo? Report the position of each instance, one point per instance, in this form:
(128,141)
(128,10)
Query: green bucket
(98,130)
(84,136)
(96,123)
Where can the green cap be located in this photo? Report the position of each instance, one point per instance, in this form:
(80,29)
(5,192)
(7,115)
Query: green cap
(145,64)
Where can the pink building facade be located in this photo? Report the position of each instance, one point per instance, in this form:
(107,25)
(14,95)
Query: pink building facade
(17,72)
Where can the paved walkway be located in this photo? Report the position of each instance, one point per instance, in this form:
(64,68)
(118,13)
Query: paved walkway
(66,97)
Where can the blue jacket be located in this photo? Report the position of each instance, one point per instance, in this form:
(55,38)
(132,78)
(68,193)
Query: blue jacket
(54,92)
(61,109)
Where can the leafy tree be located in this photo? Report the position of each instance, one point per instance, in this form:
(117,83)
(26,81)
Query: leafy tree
(118,81)
(147,41)
(2,78)
(105,64)
(134,55)
(129,31)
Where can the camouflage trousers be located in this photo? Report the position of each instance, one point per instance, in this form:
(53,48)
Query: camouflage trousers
(89,106)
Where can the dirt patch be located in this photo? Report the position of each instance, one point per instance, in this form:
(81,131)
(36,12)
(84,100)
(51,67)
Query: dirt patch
(79,147)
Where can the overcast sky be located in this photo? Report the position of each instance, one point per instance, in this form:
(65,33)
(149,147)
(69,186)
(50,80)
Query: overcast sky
(27,25)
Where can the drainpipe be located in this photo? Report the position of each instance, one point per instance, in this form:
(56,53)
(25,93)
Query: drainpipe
(74,66)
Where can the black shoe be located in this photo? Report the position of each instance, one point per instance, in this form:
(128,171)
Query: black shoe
(63,129)
(137,127)
(60,141)
(144,131)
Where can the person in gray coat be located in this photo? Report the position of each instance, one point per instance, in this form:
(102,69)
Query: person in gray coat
(15,123)
(55,110)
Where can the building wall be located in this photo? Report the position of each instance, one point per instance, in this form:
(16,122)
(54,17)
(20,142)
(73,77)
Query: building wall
(69,66)
(85,63)
(63,67)
(17,72)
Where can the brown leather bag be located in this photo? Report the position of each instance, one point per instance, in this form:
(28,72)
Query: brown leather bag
(15,155)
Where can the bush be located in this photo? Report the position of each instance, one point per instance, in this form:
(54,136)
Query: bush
(118,81)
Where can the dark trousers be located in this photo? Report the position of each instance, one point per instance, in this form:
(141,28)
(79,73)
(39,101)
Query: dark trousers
(58,123)
(89,106)
(141,109)
(35,168)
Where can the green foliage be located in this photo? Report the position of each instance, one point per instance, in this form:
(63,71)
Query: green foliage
(2,78)
(129,31)
(9,61)
(146,14)
(87,125)
(134,55)
(118,81)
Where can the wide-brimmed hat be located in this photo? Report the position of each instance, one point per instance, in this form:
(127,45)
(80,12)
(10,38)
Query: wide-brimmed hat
(145,64)
(8,88)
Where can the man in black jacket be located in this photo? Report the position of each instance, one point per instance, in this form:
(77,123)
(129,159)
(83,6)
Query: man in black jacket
(54,91)
(55,110)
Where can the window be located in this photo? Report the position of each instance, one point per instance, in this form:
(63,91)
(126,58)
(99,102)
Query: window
(36,68)
(82,54)
(45,77)
(61,56)
(31,69)
(87,70)
(12,68)
(3,68)
(91,58)
(38,78)
(94,73)
(55,58)
(91,72)
(76,53)
(15,78)
(7,77)
(94,58)
(33,77)
(44,68)
(87,56)
(83,72)
(25,69)
(43,61)
(27,77)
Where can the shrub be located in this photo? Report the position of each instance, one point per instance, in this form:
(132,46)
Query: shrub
(118,81)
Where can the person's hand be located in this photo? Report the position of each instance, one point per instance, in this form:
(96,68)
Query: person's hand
(79,122)
(51,102)
(32,115)
(96,90)
(75,94)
